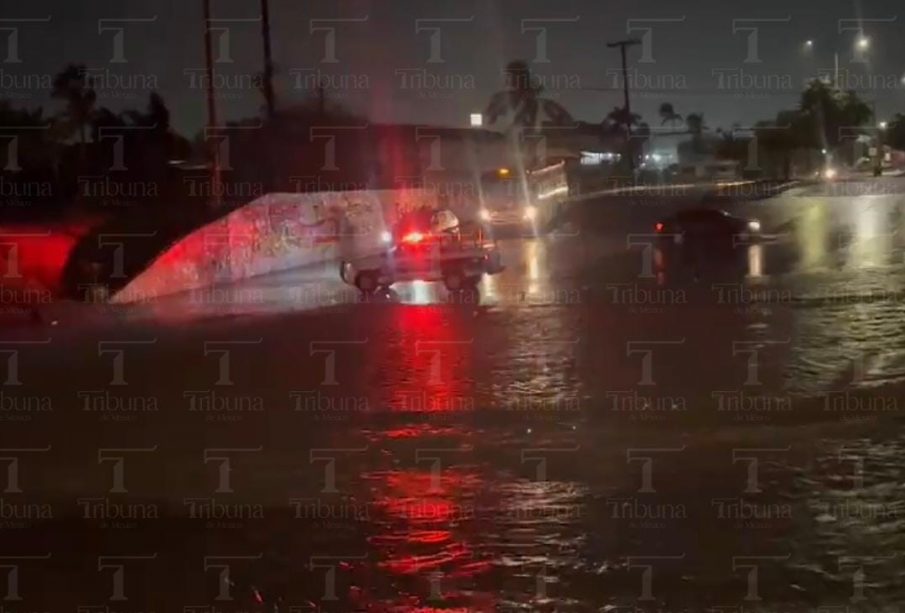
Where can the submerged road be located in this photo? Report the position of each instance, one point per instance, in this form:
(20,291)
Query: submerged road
(607,429)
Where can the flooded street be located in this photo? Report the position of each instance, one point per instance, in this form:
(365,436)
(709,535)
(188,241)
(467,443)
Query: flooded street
(610,428)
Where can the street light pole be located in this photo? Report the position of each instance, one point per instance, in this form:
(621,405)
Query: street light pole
(836,70)
(622,44)
(268,60)
(212,123)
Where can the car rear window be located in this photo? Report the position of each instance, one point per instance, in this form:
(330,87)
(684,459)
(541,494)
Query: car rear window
(701,215)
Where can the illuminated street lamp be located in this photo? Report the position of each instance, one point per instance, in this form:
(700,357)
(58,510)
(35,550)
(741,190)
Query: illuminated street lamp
(862,43)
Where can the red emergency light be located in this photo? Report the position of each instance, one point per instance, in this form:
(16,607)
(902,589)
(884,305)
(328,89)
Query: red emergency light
(413,238)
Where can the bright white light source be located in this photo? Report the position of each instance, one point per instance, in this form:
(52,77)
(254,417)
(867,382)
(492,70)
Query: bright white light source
(830,173)
(484,214)
(754,225)
(530,213)
(386,237)
(863,42)
(477,120)
(594,158)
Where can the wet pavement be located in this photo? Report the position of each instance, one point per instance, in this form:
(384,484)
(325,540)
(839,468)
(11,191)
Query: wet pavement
(608,428)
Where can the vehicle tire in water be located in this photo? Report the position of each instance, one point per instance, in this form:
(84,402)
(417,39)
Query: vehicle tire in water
(366,283)
(454,280)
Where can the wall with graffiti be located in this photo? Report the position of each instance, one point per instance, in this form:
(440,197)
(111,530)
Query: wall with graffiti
(273,233)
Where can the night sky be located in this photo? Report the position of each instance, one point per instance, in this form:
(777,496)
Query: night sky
(385,68)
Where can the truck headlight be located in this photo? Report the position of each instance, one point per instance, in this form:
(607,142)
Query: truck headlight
(530,213)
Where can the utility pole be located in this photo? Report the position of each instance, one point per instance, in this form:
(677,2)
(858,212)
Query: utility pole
(212,123)
(268,60)
(321,100)
(622,44)
(836,70)
(269,97)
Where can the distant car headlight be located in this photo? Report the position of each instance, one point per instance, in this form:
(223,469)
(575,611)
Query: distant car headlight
(530,213)
(830,173)
(386,237)
(484,214)
(754,225)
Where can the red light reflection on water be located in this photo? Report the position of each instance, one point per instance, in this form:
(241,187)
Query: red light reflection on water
(422,518)
(433,359)
(416,431)
(424,502)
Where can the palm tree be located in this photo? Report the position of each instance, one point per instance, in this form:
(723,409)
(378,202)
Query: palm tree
(626,127)
(619,123)
(72,86)
(522,103)
(695,123)
(668,114)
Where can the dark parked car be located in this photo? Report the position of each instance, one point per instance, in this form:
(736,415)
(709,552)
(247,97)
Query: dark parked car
(706,224)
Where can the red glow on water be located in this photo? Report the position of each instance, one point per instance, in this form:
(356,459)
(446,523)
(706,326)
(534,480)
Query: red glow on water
(422,537)
(417,564)
(421,510)
(427,485)
(435,357)
(424,502)
(420,430)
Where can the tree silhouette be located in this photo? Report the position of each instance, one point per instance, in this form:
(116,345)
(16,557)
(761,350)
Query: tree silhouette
(695,123)
(72,86)
(521,101)
(618,121)
(36,147)
(668,114)
(895,135)
(627,127)
(831,115)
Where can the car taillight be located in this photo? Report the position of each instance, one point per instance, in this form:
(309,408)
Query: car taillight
(659,227)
